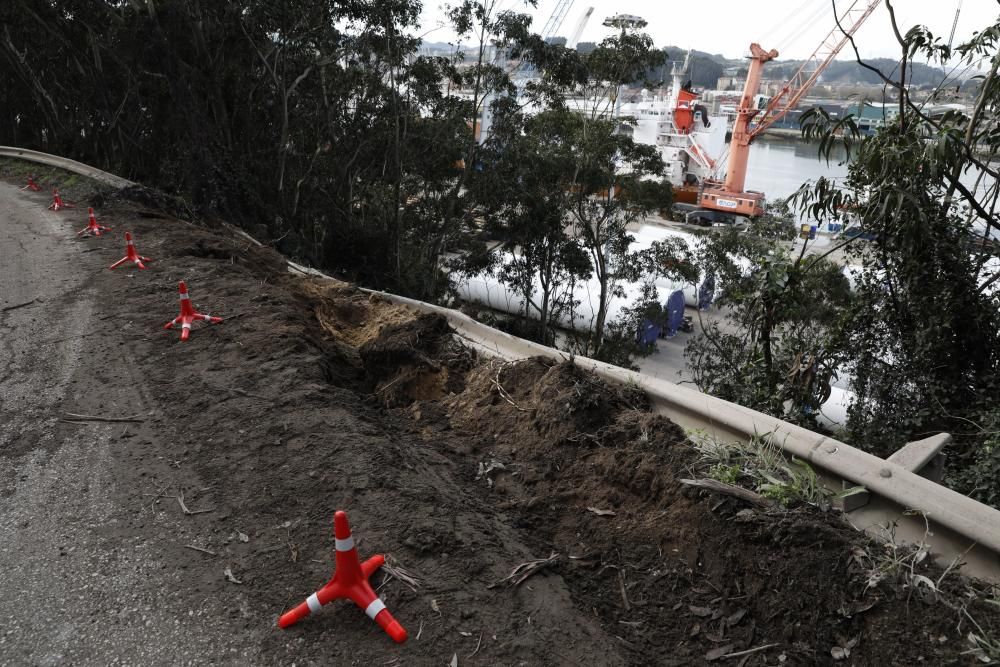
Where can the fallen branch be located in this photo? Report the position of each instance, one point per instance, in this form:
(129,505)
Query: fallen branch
(621,585)
(729,490)
(17,305)
(393,570)
(392,382)
(478,646)
(95,418)
(204,551)
(525,570)
(184,508)
(747,652)
(503,392)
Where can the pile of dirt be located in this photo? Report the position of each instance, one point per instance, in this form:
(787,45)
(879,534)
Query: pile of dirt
(676,576)
(536,507)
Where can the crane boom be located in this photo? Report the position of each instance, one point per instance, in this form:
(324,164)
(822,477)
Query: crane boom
(806,75)
(954,24)
(556,18)
(731,196)
(575,37)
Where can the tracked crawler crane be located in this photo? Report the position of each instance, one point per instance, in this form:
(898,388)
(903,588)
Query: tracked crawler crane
(730,195)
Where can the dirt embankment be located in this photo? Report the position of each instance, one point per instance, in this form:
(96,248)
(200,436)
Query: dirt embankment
(537,508)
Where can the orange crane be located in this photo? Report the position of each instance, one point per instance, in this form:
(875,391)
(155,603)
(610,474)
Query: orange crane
(730,196)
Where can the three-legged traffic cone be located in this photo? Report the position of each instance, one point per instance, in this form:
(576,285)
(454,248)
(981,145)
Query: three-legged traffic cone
(92,228)
(188,314)
(350,581)
(131,255)
(57,202)
(31,185)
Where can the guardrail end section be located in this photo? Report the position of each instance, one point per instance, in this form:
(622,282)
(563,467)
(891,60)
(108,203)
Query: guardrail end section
(923,457)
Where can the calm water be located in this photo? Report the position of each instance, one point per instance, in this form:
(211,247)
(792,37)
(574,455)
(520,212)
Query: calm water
(777,168)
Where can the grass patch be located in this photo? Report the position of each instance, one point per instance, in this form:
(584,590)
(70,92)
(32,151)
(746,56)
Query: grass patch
(73,187)
(759,465)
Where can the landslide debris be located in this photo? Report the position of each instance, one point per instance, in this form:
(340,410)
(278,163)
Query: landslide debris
(314,396)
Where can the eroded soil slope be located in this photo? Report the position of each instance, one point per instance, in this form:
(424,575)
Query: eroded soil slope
(313,396)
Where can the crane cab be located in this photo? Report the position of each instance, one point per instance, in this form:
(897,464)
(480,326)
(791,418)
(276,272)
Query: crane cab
(715,197)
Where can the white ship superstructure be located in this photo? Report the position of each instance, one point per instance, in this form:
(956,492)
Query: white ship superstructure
(690,140)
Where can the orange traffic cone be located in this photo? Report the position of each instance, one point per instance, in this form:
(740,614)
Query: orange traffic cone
(188,314)
(31,185)
(92,228)
(57,202)
(131,255)
(350,581)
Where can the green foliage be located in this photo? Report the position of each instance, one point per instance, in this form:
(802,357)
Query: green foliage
(759,465)
(923,334)
(313,123)
(919,337)
(818,127)
(559,189)
(977,474)
(648,194)
(777,223)
(777,349)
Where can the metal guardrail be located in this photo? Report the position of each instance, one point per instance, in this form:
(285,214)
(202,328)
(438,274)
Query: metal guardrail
(909,507)
(914,509)
(65,163)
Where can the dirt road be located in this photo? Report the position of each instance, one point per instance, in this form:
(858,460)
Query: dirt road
(83,579)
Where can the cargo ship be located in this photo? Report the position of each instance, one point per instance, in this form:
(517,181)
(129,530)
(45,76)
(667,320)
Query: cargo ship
(689,139)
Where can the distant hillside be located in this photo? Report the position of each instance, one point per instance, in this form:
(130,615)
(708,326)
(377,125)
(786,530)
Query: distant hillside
(838,72)
(706,68)
(843,71)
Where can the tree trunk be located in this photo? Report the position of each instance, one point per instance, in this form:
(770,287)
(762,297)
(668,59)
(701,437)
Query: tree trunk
(600,269)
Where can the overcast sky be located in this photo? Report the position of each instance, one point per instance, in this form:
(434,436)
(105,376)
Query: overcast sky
(794,27)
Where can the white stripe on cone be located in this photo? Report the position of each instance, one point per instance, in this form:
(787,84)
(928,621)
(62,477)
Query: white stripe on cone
(344,545)
(374,608)
(313,602)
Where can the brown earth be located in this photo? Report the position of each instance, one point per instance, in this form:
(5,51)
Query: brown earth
(313,396)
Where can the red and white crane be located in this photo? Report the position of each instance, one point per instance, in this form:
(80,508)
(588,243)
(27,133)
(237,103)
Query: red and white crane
(730,196)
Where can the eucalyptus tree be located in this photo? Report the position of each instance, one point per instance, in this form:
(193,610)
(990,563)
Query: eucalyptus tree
(561,182)
(524,206)
(776,345)
(919,337)
(925,334)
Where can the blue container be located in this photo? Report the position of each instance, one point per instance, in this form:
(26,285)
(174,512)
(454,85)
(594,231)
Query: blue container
(674,308)
(706,292)
(648,333)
